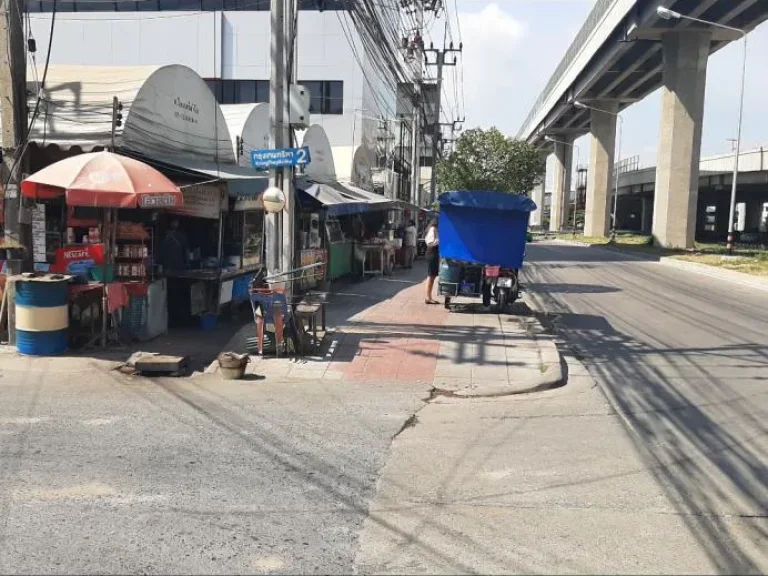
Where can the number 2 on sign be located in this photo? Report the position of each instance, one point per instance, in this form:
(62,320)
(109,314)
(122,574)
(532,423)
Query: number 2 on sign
(303,156)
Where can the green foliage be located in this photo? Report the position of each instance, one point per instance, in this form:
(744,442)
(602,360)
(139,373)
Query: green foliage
(488,160)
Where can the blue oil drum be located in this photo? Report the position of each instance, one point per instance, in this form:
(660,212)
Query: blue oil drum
(450,271)
(42,315)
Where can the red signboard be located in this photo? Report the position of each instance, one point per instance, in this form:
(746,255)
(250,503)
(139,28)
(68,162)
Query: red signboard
(78,259)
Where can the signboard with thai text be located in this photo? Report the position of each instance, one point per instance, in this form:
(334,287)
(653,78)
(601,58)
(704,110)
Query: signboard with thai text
(202,202)
(280,158)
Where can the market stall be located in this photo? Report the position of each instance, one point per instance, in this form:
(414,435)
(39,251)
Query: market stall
(103,236)
(351,219)
(218,234)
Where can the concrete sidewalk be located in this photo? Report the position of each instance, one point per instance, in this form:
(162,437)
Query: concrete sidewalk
(547,483)
(382,331)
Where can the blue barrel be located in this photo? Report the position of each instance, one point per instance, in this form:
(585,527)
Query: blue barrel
(450,271)
(42,315)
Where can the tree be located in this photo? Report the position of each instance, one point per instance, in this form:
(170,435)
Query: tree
(488,160)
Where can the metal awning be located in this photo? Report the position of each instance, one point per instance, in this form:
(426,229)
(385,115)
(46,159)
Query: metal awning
(340,198)
(241,182)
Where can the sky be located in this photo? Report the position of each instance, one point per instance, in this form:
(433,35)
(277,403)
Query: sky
(511,48)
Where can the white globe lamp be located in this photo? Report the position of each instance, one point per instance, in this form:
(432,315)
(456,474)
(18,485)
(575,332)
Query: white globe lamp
(273,200)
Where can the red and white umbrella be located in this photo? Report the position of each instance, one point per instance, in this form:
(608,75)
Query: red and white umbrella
(103,180)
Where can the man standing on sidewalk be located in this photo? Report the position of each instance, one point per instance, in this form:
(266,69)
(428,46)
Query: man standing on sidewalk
(409,242)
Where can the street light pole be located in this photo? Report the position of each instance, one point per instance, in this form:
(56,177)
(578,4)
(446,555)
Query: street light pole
(277,79)
(578,153)
(583,106)
(667,14)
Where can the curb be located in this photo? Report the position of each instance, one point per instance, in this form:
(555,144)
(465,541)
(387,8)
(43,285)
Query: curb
(555,376)
(568,242)
(718,273)
(67,363)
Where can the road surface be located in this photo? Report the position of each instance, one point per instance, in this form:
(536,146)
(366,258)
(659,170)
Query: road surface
(109,474)
(683,359)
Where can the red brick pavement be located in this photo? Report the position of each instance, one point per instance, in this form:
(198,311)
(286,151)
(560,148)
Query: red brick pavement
(391,340)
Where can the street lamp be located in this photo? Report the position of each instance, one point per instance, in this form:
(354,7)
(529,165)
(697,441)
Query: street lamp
(582,106)
(667,14)
(576,199)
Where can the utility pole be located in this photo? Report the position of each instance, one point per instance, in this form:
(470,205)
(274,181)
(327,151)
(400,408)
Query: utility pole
(13,118)
(436,128)
(418,77)
(276,125)
(289,65)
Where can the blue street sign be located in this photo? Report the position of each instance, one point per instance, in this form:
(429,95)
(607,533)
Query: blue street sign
(265,159)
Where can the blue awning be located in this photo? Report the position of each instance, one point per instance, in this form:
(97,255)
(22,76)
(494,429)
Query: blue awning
(487,200)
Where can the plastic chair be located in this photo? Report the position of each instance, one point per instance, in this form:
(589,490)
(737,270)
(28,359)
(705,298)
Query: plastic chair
(274,310)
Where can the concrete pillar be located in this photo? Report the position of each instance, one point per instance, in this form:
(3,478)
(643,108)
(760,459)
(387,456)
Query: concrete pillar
(537,194)
(562,182)
(682,113)
(597,215)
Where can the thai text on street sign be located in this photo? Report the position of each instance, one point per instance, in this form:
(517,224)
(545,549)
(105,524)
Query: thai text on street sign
(265,159)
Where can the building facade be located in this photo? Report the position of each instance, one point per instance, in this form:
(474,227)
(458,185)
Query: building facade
(227,43)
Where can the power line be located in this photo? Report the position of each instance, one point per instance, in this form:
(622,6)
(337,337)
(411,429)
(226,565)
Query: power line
(23,147)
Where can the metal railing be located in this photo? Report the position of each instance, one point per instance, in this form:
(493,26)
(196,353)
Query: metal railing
(631,164)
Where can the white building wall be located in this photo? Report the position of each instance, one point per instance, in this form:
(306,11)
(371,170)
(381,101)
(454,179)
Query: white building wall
(131,39)
(231,45)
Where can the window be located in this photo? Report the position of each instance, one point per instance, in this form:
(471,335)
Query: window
(239,91)
(322,5)
(227,92)
(334,97)
(245,91)
(255,5)
(160,5)
(215,86)
(326,96)
(91,6)
(148,5)
(180,4)
(262,90)
(127,5)
(47,6)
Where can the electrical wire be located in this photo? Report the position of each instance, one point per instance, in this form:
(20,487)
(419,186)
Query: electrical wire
(23,147)
(376,96)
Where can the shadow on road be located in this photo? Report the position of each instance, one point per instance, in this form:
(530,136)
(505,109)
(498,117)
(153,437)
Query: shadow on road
(570,288)
(576,253)
(702,444)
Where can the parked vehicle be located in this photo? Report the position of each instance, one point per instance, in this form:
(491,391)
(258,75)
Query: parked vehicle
(482,245)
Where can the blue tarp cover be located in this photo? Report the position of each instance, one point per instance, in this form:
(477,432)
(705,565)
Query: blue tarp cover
(488,200)
(484,227)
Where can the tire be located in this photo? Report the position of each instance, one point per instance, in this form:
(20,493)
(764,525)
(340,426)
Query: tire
(447,303)
(486,296)
(503,299)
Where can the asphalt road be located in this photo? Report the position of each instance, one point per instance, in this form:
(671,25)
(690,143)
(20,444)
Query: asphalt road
(105,474)
(683,359)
